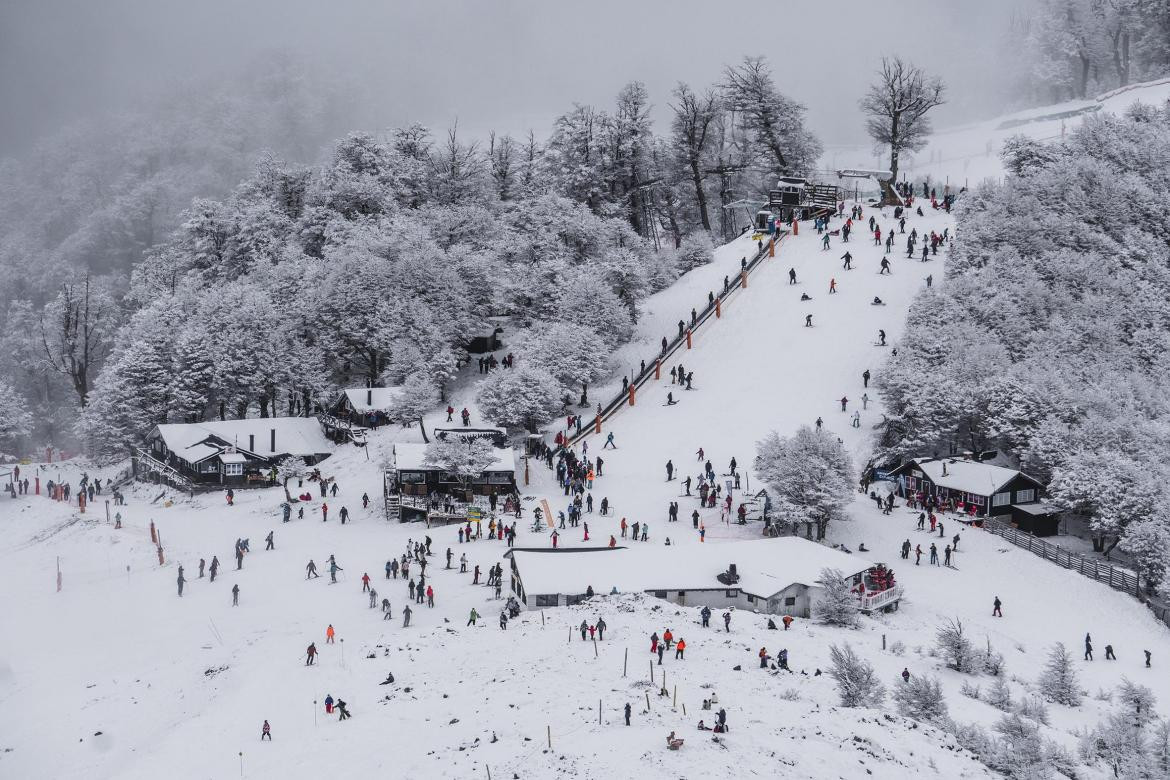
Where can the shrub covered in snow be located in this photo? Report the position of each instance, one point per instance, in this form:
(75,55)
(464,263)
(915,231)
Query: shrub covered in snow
(856,681)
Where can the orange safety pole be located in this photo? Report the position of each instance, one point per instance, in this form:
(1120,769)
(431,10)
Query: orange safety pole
(718,312)
(153,535)
(772,247)
(657,369)
(743,278)
(597,425)
(688,338)
(795,227)
(631,395)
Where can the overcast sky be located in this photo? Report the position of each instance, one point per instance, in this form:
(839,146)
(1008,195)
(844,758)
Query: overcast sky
(507,65)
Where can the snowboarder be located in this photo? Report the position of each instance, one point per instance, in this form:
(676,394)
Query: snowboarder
(1109,656)
(792,276)
(341,708)
(848,258)
(996,610)
(885,269)
(808,320)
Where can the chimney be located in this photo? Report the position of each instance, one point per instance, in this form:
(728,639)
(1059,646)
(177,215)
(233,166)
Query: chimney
(370,396)
(944,468)
(251,442)
(732,575)
(273,439)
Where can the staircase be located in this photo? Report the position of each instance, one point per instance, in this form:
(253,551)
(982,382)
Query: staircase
(393,507)
(145,463)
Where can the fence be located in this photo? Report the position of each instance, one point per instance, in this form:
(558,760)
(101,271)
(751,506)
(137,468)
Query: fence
(622,400)
(1116,578)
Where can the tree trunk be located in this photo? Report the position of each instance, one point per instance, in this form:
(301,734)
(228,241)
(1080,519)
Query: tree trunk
(700,196)
(422,428)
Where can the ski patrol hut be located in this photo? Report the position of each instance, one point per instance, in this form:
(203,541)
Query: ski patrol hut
(991,489)
(1038,518)
(229,453)
(775,576)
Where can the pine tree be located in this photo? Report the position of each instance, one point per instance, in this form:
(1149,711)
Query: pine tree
(921,698)
(856,681)
(1058,682)
(999,695)
(836,604)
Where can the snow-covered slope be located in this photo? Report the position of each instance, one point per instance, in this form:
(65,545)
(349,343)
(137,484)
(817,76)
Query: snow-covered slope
(180,687)
(967,155)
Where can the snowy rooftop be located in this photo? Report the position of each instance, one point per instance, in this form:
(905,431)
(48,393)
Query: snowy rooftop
(410,456)
(294,435)
(373,399)
(765,567)
(968,476)
(1038,508)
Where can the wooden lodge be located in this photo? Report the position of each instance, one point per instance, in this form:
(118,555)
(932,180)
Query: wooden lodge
(229,453)
(992,490)
(368,407)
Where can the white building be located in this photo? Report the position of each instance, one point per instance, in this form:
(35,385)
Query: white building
(776,576)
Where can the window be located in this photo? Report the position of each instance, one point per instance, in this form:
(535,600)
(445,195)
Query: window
(790,601)
(751,599)
(546,600)
(976,500)
(208,467)
(732,593)
(661,594)
(1001,499)
(1024,496)
(682,593)
(233,469)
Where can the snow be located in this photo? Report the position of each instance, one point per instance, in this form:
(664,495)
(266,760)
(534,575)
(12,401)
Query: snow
(765,567)
(115,676)
(301,436)
(412,457)
(373,399)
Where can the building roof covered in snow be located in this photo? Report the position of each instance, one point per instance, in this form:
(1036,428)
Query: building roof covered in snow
(411,456)
(965,475)
(373,399)
(765,567)
(300,436)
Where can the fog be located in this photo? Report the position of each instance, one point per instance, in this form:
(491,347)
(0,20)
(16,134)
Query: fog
(509,65)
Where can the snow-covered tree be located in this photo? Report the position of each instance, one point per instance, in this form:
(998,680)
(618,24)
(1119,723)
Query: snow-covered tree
(692,138)
(419,396)
(523,398)
(836,604)
(697,250)
(1021,750)
(1058,682)
(896,107)
(809,476)
(921,698)
(955,647)
(15,420)
(999,695)
(774,121)
(857,683)
(289,469)
(463,458)
(573,354)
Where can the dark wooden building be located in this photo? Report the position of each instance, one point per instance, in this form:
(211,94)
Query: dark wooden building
(991,489)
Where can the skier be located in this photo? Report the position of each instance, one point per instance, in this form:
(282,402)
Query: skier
(235,595)
(365,582)
(881,338)
(472,617)
(848,264)
(933,555)
(865,400)
(825,242)
(311,654)
(679,649)
(727,622)
(844,402)
(792,276)
(333,569)
(265,731)
(406,616)
(819,423)
(330,634)
(202,563)
(1088,648)
(214,569)
(832,285)
(365,500)
(181,581)
(609,441)
(885,269)
(627,713)
(669,471)
(343,514)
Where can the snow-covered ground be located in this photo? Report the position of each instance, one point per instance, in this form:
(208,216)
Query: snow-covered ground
(116,676)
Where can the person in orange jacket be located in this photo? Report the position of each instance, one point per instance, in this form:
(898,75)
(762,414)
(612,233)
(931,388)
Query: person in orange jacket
(612,541)
(763,658)
(679,648)
(668,638)
(329,634)
(787,620)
